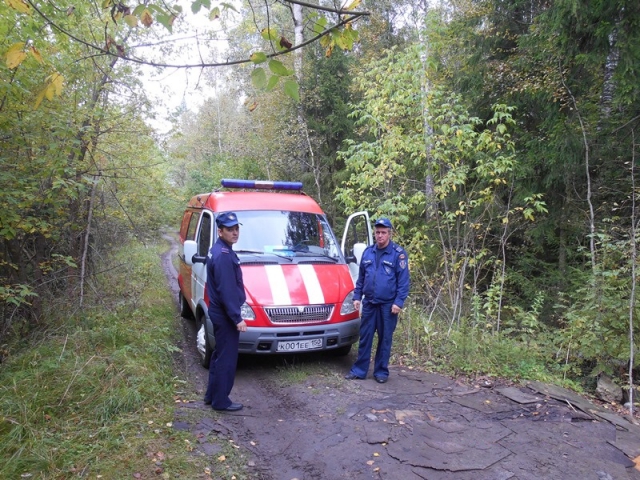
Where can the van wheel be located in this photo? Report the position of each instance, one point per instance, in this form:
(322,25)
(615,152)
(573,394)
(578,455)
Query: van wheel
(208,351)
(185,310)
(341,351)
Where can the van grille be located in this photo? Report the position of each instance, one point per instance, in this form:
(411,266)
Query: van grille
(292,315)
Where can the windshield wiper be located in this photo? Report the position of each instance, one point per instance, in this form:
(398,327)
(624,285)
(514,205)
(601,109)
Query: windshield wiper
(255,252)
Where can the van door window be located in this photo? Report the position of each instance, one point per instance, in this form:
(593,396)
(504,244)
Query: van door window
(204,240)
(193,223)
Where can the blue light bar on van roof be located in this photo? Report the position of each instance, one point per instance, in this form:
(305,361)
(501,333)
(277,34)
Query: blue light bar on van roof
(260,184)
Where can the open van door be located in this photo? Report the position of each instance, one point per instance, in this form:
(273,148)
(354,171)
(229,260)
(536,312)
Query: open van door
(356,237)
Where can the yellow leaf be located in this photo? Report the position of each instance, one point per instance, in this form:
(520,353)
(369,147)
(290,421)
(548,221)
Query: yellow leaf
(146,18)
(56,82)
(131,20)
(48,92)
(352,5)
(15,55)
(19,5)
(376,454)
(39,99)
(222,458)
(36,54)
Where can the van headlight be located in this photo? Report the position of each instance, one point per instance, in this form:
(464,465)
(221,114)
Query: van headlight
(246,312)
(347,304)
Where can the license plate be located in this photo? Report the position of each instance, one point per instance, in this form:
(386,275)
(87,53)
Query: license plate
(300,345)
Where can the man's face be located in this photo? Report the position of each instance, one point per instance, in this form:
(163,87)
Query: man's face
(229,234)
(383,235)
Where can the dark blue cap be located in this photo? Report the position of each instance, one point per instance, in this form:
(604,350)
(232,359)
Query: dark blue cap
(227,219)
(383,222)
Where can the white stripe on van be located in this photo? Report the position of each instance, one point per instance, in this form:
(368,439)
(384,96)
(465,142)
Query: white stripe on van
(312,284)
(278,285)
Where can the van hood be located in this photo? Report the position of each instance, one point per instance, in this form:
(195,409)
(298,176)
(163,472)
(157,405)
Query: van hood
(297,284)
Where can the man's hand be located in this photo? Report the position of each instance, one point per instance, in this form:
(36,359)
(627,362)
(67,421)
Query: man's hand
(242,326)
(356,305)
(395,309)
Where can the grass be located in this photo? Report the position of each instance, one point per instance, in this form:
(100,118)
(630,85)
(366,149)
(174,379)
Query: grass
(94,396)
(427,344)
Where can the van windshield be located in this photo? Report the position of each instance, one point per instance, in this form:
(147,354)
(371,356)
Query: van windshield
(286,234)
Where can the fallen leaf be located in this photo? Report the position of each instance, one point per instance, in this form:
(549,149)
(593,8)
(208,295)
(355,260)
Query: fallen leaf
(376,454)
(222,458)
(370,462)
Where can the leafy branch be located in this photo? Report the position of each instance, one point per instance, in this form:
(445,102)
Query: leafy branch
(347,17)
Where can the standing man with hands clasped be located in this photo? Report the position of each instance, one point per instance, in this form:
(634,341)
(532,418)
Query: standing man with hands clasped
(226,296)
(383,281)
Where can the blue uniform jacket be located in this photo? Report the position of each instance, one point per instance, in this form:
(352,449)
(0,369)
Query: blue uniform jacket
(389,282)
(224,282)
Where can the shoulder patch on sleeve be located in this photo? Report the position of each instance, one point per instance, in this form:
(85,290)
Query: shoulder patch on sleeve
(403,264)
(399,248)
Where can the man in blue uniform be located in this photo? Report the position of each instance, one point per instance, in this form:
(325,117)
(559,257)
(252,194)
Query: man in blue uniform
(226,296)
(382,286)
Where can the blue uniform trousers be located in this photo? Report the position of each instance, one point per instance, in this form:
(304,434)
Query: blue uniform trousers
(376,318)
(222,369)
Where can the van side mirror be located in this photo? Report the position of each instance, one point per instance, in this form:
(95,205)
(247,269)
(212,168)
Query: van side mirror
(358,250)
(191,253)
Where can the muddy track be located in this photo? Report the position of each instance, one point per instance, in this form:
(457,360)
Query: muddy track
(303,421)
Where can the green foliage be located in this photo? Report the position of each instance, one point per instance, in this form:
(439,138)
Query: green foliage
(95,395)
(425,341)
(80,170)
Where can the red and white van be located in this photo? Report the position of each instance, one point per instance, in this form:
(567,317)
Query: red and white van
(298,282)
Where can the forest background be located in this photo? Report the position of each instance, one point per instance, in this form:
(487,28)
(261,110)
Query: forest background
(499,137)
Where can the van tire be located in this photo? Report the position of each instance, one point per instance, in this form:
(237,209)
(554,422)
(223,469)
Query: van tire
(208,351)
(341,351)
(185,310)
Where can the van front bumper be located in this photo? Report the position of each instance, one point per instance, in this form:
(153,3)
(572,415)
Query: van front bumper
(274,340)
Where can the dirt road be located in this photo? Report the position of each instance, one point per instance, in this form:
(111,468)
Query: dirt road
(303,421)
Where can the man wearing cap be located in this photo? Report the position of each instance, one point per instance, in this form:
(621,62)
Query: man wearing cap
(226,297)
(382,287)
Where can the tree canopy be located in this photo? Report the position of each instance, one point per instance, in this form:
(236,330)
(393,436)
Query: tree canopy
(501,137)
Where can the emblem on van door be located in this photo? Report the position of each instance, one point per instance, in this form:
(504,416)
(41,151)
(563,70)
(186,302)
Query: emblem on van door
(300,310)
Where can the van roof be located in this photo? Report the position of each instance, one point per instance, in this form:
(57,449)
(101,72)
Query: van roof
(239,201)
